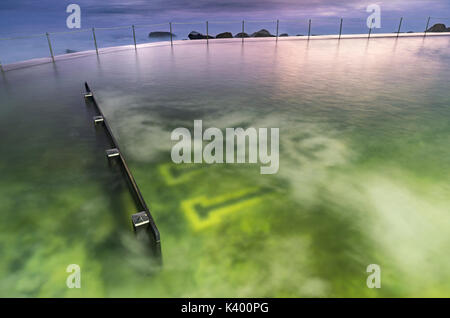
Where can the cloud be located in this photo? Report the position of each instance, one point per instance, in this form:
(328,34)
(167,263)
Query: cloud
(218,6)
(244,6)
(186,10)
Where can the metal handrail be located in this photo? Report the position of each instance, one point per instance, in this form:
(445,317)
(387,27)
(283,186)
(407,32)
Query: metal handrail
(137,193)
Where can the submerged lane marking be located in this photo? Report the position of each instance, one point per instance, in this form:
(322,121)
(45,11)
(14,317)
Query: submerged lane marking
(203,212)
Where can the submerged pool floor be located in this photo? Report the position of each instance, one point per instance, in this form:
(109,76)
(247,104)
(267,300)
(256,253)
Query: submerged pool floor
(363,176)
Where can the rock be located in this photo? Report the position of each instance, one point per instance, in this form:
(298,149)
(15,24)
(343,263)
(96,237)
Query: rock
(284,34)
(242,35)
(68,51)
(224,35)
(439,27)
(160,34)
(263,33)
(194,35)
(300,35)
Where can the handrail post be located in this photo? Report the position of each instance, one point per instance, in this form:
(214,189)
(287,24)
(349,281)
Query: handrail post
(278,24)
(399,26)
(309,29)
(95,40)
(243,23)
(340,29)
(50,46)
(171,40)
(426,29)
(207,33)
(134,37)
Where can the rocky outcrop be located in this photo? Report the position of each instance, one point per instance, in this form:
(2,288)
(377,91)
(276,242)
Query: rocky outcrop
(284,34)
(241,35)
(160,34)
(263,33)
(69,51)
(194,35)
(439,27)
(224,35)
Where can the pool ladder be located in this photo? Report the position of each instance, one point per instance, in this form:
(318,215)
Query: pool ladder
(143,223)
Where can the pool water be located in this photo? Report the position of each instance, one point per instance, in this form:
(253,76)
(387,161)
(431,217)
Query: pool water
(363,178)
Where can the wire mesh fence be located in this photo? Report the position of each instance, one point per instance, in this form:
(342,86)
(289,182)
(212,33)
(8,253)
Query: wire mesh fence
(48,45)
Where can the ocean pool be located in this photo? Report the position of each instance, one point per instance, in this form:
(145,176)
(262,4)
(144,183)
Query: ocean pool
(363,172)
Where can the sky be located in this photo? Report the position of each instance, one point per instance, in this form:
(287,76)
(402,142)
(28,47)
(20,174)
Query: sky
(25,16)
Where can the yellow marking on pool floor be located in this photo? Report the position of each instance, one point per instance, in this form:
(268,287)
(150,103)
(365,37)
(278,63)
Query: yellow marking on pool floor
(215,215)
(187,171)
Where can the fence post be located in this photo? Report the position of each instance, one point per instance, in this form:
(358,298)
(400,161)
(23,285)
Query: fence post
(278,24)
(370,29)
(95,40)
(134,37)
(399,26)
(243,31)
(50,46)
(171,40)
(340,29)
(1,68)
(426,29)
(207,33)
(309,29)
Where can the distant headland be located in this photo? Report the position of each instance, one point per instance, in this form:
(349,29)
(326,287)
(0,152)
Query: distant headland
(439,27)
